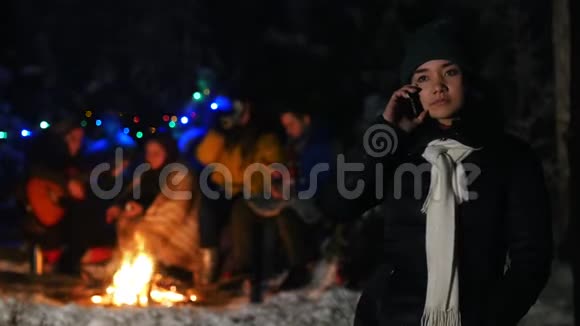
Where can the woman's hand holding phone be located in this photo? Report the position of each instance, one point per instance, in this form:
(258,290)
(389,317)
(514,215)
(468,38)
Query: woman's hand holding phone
(397,111)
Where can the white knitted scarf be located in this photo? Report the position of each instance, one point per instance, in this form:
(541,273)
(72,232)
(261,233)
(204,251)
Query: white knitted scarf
(448,188)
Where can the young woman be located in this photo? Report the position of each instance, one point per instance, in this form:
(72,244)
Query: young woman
(167,224)
(467,223)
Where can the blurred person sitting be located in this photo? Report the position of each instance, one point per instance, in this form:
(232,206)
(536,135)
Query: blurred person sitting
(160,207)
(234,144)
(309,146)
(62,211)
(295,218)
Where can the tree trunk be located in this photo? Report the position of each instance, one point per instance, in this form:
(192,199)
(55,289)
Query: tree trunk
(561,46)
(574,152)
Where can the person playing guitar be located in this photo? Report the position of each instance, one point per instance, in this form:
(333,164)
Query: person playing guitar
(61,211)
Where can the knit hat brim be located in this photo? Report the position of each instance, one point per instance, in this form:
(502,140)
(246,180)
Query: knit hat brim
(435,41)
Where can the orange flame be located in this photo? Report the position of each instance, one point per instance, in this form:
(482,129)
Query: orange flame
(132,282)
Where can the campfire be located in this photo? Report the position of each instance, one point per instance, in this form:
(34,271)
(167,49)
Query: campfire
(135,283)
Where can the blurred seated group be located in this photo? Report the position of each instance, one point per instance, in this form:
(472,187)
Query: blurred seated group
(230,224)
(254,184)
(71,209)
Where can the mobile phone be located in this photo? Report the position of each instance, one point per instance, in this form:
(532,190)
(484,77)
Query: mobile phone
(413,105)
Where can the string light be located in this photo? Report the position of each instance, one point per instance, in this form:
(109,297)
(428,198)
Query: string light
(172,120)
(3,135)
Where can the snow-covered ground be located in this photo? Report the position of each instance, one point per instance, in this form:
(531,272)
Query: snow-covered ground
(334,306)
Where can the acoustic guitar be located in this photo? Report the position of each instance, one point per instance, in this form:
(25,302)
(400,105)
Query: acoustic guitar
(43,199)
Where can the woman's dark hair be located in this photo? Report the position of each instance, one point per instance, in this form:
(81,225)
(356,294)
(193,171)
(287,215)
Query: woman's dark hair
(298,114)
(65,126)
(168,143)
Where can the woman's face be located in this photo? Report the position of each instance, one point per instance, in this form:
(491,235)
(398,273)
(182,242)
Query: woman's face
(155,154)
(293,125)
(442,93)
(74,140)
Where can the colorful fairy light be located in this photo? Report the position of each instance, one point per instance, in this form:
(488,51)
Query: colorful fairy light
(44,125)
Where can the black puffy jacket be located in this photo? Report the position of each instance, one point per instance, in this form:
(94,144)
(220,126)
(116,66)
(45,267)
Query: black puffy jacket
(509,218)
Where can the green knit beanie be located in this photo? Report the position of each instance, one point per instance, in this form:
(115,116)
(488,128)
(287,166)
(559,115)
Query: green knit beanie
(435,41)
